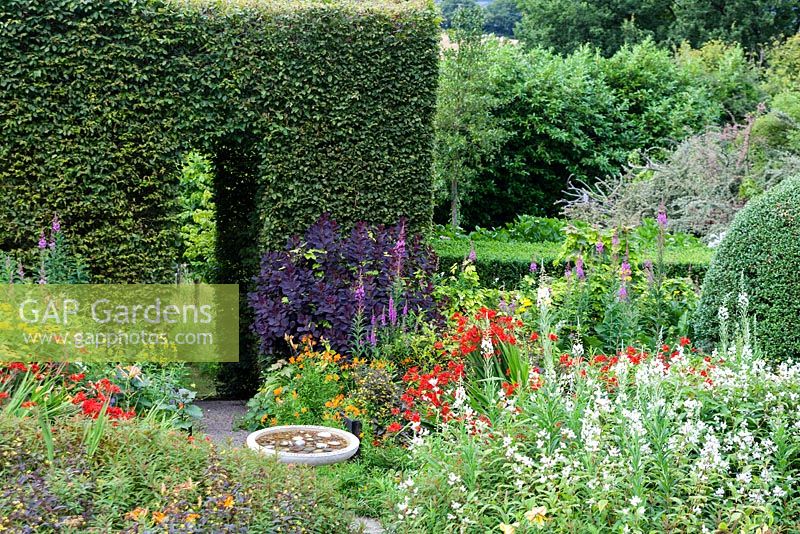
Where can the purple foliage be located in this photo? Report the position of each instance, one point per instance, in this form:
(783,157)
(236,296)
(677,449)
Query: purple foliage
(309,288)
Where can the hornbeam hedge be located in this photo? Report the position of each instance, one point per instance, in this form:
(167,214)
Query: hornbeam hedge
(305,106)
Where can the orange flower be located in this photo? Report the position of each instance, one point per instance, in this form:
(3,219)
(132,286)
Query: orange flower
(191,518)
(28,404)
(136,514)
(228,502)
(158,517)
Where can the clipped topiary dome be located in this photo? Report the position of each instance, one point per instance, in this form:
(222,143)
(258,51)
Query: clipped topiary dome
(760,254)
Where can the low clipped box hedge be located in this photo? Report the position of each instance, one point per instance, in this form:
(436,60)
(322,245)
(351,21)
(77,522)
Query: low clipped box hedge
(759,256)
(504,264)
(304,106)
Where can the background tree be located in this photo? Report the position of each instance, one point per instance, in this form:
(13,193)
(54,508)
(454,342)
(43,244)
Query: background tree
(501,17)
(449,8)
(565,25)
(467,133)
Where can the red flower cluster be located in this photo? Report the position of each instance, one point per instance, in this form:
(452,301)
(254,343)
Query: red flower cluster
(430,390)
(101,395)
(470,331)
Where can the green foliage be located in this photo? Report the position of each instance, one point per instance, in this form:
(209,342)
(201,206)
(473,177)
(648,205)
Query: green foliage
(783,60)
(759,257)
(467,134)
(732,79)
(566,25)
(449,8)
(663,101)
(305,107)
(146,477)
(198,217)
(524,228)
(501,17)
(502,264)
(520,124)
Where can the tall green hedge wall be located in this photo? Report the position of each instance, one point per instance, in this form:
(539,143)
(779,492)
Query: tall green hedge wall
(306,106)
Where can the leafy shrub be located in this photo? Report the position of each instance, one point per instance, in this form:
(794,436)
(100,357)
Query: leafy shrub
(320,386)
(320,283)
(783,65)
(759,257)
(703,183)
(524,228)
(198,217)
(306,390)
(732,79)
(128,87)
(505,264)
(513,125)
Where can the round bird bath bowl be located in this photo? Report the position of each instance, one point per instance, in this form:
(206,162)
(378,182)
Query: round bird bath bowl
(305,444)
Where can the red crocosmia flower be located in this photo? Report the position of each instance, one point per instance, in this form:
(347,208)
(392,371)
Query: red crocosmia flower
(395,411)
(535,336)
(3,395)
(79,398)
(28,404)
(104,385)
(685,341)
(552,337)
(509,389)
(17,366)
(394,427)
(77,377)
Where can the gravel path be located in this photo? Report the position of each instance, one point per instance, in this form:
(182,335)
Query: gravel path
(218,420)
(219,417)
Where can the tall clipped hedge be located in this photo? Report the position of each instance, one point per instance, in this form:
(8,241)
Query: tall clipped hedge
(306,106)
(759,255)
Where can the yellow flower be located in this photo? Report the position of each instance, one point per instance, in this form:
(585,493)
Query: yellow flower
(536,515)
(277,391)
(303,409)
(508,529)
(158,517)
(228,502)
